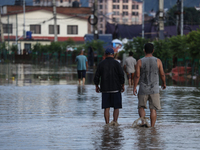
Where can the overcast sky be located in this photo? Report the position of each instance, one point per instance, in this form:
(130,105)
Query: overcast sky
(149,4)
(30,2)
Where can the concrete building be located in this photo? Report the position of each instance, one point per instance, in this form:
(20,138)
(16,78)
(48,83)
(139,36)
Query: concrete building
(59,3)
(39,20)
(127,12)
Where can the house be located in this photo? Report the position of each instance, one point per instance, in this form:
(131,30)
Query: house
(71,23)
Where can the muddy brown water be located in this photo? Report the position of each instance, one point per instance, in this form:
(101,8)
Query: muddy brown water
(45,109)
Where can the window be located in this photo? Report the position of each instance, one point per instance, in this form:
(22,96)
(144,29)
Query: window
(51,29)
(125,20)
(125,6)
(7,28)
(125,13)
(117,19)
(37,1)
(101,1)
(113,19)
(61,1)
(72,29)
(101,19)
(135,20)
(27,47)
(135,7)
(115,1)
(116,13)
(100,6)
(125,1)
(35,29)
(101,25)
(115,6)
(135,13)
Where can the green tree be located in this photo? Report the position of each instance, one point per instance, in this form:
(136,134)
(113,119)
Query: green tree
(139,47)
(162,50)
(193,40)
(14,48)
(97,45)
(179,46)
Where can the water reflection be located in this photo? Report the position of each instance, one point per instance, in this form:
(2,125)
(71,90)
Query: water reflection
(111,138)
(148,138)
(28,74)
(81,90)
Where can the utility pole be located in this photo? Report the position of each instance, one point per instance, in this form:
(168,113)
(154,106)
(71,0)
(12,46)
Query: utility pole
(8,35)
(182,21)
(161,19)
(1,28)
(24,30)
(178,4)
(95,28)
(55,21)
(143,19)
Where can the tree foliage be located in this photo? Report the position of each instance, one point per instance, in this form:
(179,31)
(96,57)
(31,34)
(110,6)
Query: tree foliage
(179,46)
(162,49)
(193,40)
(97,45)
(191,16)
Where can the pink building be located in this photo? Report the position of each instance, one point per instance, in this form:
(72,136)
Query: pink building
(118,11)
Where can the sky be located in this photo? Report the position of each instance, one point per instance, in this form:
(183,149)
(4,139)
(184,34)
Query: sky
(30,2)
(149,4)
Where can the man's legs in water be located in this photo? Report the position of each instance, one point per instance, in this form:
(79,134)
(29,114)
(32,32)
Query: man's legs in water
(153,117)
(142,113)
(83,81)
(107,115)
(115,115)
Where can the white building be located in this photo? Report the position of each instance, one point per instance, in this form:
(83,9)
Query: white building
(41,23)
(63,3)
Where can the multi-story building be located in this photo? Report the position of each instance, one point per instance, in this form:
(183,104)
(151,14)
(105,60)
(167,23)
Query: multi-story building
(118,11)
(59,3)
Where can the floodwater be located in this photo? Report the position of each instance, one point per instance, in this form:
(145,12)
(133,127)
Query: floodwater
(43,108)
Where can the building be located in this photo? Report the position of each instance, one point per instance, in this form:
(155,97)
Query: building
(59,3)
(127,12)
(71,23)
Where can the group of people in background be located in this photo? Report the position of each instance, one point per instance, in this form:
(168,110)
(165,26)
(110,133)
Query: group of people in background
(109,80)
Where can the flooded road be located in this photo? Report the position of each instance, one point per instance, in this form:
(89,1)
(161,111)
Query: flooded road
(50,114)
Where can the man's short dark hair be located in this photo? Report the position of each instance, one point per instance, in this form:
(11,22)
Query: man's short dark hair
(148,48)
(130,53)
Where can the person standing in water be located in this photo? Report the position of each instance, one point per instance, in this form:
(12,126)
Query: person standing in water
(148,69)
(129,68)
(82,66)
(110,76)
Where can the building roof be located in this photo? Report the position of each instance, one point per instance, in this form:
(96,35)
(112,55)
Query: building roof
(80,11)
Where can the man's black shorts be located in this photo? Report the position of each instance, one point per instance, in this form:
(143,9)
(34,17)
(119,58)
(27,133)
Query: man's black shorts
(81,73)
(112,100)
